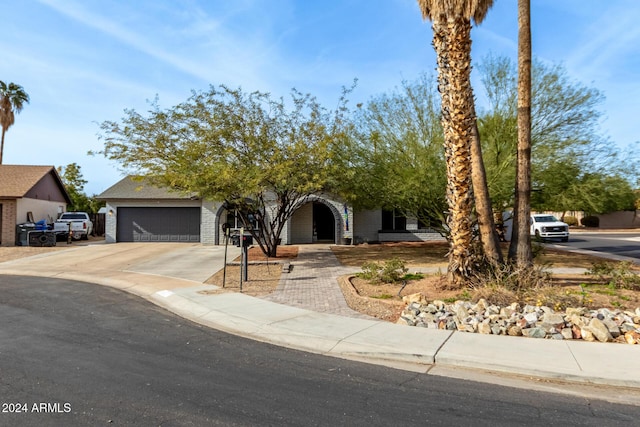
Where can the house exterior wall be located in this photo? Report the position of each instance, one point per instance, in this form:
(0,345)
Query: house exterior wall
(412,224)
(41,209)
(8,222)
(410,236)
(366,225)
(301,225)
(14,212)
(46,189)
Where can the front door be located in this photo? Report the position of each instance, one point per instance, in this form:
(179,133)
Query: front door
(324,223)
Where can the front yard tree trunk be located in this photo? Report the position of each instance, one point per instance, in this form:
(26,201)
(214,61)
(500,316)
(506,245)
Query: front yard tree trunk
(520,251)
(452,43)
(484,210)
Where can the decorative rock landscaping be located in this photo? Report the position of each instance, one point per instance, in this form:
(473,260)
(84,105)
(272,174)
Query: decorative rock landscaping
(602,325)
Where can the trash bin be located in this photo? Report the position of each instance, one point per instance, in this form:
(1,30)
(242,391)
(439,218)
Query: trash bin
(22,233)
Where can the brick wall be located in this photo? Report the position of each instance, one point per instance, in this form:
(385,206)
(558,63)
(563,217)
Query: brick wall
(110,223)
(209,234)
(8,227)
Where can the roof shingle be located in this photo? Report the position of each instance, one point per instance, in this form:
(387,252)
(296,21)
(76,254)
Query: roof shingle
(17,180)
(132,187)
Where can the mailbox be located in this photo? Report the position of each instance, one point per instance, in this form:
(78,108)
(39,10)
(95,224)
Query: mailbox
(247,240)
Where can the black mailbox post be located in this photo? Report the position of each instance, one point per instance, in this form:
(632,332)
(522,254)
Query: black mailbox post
(247,240)
(243,241)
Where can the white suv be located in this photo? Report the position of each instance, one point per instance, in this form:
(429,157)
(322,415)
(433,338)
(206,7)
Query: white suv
(545,226)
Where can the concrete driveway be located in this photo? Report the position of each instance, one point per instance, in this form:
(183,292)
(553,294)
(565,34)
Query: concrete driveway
(187,262)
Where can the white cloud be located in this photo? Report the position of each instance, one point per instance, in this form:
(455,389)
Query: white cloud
(612,39)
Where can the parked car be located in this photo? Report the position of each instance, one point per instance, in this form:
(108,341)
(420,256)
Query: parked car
(545,226)
(77,223)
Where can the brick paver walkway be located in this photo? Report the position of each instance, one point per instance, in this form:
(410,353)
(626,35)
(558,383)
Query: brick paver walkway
(313,283)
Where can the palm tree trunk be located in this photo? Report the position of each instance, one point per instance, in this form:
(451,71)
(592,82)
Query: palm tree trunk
(2,145)
(452,43)
(520,251)
(484,210)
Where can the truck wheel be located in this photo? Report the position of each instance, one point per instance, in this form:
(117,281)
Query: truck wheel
(565,239)
(85,237)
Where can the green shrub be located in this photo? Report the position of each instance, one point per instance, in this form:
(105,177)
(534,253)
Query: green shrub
(370,271)
(571,221)
(618,275)
(393,271)
(390,271)
(591,221)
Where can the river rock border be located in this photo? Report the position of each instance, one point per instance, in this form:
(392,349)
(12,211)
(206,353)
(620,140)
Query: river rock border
(602,325)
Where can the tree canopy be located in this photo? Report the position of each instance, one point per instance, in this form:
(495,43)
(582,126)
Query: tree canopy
(74,183)
(395,157)
(396,153)
(258,154)
(571,160)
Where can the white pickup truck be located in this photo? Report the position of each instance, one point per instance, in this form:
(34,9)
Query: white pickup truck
(545,226)
(78,223)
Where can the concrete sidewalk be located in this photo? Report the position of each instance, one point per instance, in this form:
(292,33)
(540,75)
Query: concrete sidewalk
(171,275)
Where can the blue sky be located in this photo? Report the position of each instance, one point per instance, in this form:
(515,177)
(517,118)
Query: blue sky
(85,61)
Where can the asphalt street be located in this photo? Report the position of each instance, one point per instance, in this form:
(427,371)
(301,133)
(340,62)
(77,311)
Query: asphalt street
(623,244)
(73,353)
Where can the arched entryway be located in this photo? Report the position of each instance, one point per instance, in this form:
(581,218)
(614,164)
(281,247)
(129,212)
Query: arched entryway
(315,221)
(324,223)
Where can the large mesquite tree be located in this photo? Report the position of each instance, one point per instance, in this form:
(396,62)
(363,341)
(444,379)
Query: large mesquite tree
(263,157)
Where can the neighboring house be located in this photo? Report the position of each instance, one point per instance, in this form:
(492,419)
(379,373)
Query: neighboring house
(27,194)
(138,211)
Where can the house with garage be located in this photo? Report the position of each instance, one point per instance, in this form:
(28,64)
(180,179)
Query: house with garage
(138,211)
(29,194)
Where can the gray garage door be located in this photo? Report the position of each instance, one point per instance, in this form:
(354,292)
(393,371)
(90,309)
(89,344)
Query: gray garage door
(158,225)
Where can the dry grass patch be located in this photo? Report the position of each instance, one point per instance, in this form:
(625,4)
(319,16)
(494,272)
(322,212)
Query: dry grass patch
(263,279)
(384,300)
(412,253)
(435,253)
(283,253)
(263,273)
